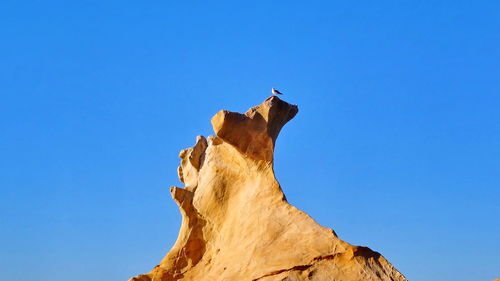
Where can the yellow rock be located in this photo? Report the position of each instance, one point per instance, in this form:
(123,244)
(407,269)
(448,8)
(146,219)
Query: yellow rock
(236,222)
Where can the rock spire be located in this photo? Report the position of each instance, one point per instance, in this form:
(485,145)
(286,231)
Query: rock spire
(236,222)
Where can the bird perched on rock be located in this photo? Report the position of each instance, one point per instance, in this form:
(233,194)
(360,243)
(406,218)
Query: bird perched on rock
(276,92)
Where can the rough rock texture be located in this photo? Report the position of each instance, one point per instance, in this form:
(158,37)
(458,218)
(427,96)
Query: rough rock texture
(236,222)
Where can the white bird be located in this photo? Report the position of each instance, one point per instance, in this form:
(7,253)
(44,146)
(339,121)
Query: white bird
(276,92)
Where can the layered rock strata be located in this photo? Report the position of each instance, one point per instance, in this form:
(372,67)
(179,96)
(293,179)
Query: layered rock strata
(236,222)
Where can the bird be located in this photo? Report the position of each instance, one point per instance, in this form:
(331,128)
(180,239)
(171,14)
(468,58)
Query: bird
(276,92)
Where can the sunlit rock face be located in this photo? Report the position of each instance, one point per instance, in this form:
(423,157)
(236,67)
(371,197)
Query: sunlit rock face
(236,222)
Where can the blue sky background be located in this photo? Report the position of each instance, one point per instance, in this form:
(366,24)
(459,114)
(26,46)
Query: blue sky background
(396,144)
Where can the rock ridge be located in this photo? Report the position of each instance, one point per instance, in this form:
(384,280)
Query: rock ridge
(236,222)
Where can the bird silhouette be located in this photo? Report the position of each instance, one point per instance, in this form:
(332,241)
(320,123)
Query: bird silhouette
(276,92)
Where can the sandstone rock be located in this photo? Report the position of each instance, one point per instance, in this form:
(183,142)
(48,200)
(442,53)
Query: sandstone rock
(236,222)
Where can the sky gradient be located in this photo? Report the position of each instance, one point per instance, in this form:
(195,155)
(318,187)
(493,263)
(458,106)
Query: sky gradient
(396,145)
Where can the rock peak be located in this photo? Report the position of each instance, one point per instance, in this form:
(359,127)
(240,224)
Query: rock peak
(254,133)
(236,222)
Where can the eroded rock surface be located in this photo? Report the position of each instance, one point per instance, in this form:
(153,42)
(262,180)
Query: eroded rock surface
(236,222)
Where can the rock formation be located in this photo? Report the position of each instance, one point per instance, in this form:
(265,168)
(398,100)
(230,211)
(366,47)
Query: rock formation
(236,222)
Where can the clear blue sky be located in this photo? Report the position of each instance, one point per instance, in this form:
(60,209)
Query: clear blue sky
(396,145)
